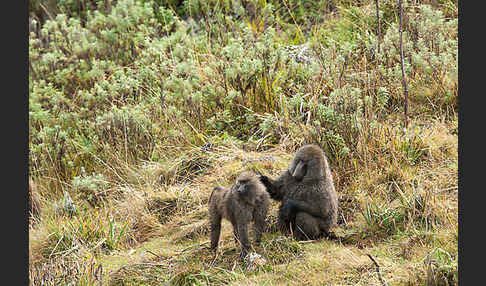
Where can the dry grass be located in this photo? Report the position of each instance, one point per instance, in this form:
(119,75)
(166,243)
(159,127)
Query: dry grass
(168,222)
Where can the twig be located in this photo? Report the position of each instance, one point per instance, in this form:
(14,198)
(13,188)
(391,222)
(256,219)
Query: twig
(306,241)
(193,246)
(50,255)
(344,219)
(378,270)
(153,253)
(148,264)
(404,79)
(447,189)
(293,18)
(261,141)
(280,238)
(100,269)
(211,264)
(342,71)
(143,274)
(127,268)
(47,12)
(98,244)
(66,252)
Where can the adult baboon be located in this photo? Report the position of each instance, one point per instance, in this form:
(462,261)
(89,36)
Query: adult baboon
(309,201)
(246,201)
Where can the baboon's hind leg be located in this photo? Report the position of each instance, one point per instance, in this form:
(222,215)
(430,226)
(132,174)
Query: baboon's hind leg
(215,224)
(306,227)
(235,235)
(259,224)
(285,226)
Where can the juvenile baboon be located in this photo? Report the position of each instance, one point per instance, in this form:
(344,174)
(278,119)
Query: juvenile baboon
(309,201)
(246,201)
(34,202)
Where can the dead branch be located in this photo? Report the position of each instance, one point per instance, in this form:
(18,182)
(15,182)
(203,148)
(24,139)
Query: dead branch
(193,246)
(404,79)
(378,270)
(306,241)
(153,253)
(453,188)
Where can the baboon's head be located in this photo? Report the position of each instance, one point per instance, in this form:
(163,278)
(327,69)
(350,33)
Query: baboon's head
(308,162)
(245,182)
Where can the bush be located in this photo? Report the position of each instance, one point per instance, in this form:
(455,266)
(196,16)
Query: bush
(125,80)
(90,187)
(430,51)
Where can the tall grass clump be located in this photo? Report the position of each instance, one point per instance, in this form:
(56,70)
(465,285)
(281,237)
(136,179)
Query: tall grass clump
(96,232)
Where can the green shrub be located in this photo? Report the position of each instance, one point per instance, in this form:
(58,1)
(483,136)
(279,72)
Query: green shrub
(127,131)
(144,73)
(90,187)
(430,49)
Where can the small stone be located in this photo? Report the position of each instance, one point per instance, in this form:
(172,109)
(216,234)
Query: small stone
(254,260)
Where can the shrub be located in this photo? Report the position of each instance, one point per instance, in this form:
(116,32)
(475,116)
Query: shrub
(430,50)
(90,187)
(127,131)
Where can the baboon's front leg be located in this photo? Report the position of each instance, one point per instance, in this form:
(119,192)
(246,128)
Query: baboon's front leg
(244,240)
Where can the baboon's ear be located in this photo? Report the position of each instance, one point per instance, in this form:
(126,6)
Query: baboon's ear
(300,171)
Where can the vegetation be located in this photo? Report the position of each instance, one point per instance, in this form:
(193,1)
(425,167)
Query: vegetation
(137,109)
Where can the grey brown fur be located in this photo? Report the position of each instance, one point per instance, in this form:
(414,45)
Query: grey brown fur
(309,200)
(246,201)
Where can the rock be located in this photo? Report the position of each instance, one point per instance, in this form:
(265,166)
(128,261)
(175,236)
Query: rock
(254,260)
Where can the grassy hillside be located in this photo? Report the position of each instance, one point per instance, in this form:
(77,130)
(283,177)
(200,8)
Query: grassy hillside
(137,109)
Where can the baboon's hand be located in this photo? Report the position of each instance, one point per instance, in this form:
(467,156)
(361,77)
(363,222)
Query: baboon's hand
(265,181)
(271,189)
(262,178)
(288,210)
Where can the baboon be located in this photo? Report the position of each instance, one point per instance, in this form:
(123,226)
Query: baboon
(309,201)
(246,201)
(34,202)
